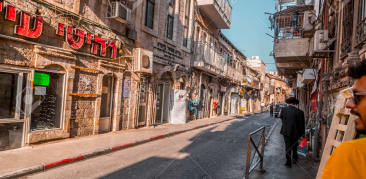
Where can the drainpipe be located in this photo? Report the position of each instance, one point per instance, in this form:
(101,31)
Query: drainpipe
(199,92)
(317,128)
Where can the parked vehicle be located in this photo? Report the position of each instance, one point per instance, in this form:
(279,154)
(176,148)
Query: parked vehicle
(277,108)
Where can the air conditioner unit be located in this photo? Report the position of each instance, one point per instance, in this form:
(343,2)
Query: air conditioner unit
(320,39)
(142,61)
(119,12)
(309,18)
(308,75)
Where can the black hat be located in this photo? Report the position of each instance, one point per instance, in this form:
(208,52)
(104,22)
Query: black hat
(292,100)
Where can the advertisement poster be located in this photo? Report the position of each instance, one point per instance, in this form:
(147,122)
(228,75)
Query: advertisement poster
(301,149)
(126,88)
(314,101)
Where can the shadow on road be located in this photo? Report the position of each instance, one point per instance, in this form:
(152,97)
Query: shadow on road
(216,152)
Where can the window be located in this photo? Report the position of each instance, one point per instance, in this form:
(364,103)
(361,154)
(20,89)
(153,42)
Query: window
(12,110)
(47,100)
(186,22)
(149,16)
(170,19)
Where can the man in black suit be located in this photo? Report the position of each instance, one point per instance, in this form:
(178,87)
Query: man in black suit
(293,128)
(271,109)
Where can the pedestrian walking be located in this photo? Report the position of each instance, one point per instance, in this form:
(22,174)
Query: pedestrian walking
(271,109)
(293,128)
(262,106)
(348,160)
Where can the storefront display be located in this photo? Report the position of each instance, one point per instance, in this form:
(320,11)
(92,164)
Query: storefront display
(47,101)
(11,109)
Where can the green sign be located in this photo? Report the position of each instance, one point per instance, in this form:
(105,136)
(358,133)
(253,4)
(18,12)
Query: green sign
(41,79)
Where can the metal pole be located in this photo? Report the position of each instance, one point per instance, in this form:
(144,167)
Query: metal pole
(262,151)
(248,160)
(317,128)
(199,92)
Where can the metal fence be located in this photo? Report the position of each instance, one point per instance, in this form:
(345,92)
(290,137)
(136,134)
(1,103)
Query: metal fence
(289,26)
(210,55)
(258,153)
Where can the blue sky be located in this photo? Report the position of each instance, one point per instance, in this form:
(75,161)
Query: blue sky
(249,26)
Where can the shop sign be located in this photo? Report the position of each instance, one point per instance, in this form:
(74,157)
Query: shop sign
(314,101)
(223,89)
(40,90)
(41,79)
(81,36)
(126,88)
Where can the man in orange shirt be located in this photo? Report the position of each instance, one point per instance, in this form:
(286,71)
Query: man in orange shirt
(349,159)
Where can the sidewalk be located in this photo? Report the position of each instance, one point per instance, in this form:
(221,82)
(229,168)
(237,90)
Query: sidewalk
(81,148)
(274,160)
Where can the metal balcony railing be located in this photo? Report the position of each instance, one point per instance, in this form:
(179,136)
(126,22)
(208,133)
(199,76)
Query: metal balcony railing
(208,54)
(225,9)
(288,26)
(361,33)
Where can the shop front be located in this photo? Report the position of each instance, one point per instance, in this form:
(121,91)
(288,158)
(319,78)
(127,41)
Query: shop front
(31,101)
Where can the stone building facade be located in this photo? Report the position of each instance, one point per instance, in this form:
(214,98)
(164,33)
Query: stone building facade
(75,68)
(63,64)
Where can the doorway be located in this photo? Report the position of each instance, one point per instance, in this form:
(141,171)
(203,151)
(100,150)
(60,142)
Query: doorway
(163,98)
(163,103)
(142,106)
(105,119)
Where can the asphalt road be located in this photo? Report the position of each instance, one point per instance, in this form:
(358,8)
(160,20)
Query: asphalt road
(217,151)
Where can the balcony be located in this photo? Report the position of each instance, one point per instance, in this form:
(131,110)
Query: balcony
(218,11)
(290,48)
(209,60)
(234,74)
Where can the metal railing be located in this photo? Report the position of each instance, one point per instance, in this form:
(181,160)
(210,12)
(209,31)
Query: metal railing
(224,8)
(208,54)
(288,26)
(361,33)
(259,159)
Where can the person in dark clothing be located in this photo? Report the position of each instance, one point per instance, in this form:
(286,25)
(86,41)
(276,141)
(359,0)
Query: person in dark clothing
(293,128)
(271,109)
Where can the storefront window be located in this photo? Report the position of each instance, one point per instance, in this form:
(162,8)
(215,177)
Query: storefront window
(11,135)
(8,94)
(11,120)
(47,101)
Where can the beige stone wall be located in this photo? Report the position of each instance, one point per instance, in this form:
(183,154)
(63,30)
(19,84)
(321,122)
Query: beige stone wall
(81,114)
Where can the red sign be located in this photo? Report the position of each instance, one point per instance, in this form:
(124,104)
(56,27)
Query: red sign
(81,36)
(314,101)
(23,28)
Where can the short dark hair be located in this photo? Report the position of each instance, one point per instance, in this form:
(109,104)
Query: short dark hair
(358,70)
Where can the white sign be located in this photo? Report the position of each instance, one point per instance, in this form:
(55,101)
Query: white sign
(40,90)
(179,108)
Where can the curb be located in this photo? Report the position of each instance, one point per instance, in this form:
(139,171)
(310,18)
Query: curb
(42,167)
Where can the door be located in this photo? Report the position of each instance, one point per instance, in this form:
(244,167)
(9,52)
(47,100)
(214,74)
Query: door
(12,109)
(163,103)
(142,107)
(106,104)
(201,108)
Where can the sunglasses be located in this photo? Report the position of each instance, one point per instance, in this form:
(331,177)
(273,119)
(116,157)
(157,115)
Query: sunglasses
(356,97)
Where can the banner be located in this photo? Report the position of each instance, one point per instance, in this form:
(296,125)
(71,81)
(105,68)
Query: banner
(314,101)
(179,108)
(301,149)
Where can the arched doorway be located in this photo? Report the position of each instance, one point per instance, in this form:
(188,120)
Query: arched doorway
(105,117)
(163,100)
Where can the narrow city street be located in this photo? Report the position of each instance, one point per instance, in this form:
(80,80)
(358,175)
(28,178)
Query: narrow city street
(217,151)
